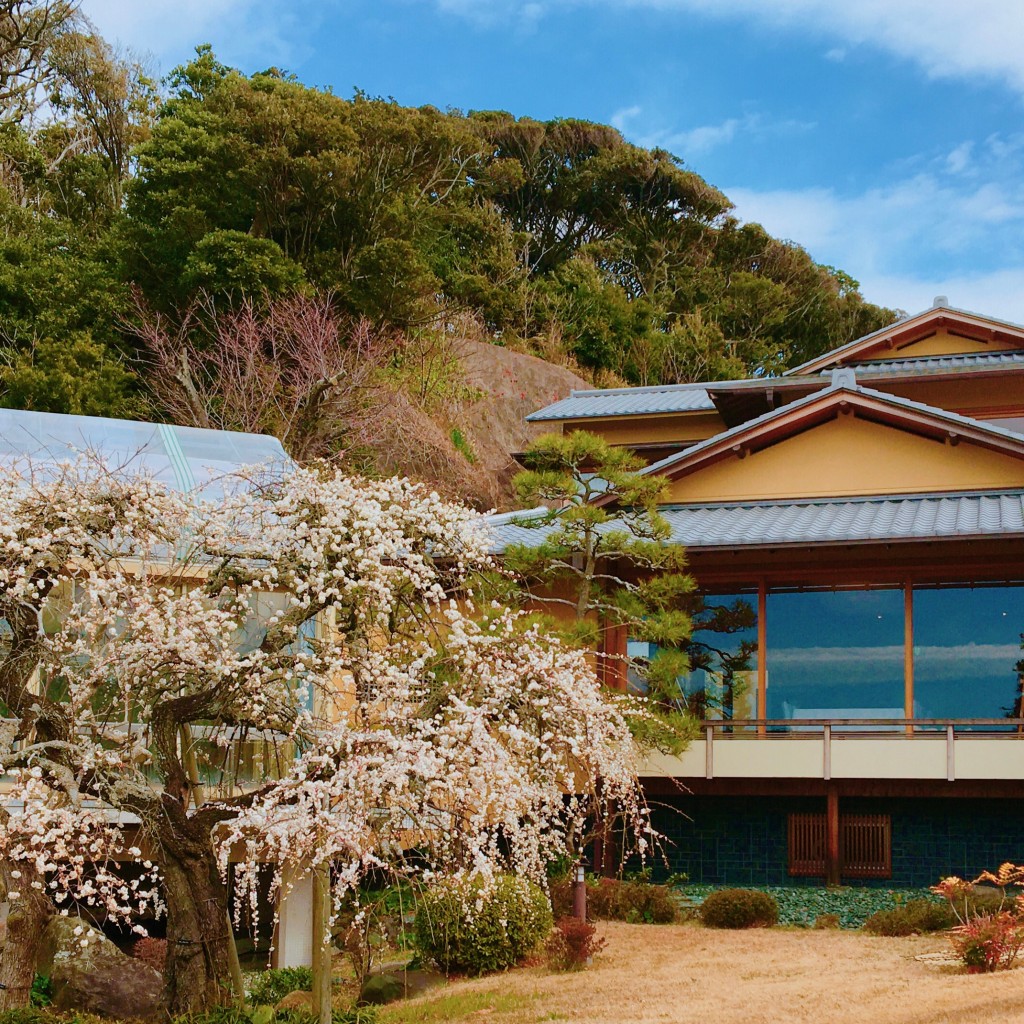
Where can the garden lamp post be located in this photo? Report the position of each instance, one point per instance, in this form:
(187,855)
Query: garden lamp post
(579,891)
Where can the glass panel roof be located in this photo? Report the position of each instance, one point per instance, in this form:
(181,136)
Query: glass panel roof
(185,458)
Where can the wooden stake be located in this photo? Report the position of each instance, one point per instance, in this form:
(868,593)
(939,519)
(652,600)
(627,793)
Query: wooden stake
(321,944)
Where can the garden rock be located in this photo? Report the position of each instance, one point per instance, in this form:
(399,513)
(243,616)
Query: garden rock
(97,977)
(297,1000)
(391,984)
(380,989)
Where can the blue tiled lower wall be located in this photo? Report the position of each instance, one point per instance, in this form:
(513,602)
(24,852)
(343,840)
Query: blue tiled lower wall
(742,840)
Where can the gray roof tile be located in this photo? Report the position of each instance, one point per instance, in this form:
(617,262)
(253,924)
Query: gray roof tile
(825,521)
(937,364)
(628,402)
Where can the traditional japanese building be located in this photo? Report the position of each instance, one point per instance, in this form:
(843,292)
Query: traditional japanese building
(868,507)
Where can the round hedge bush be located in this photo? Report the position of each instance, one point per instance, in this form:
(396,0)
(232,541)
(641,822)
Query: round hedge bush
(918,917)
(739,908)
(472,928)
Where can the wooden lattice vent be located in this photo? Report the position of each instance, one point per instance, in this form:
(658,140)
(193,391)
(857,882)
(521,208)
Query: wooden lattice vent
(865,845)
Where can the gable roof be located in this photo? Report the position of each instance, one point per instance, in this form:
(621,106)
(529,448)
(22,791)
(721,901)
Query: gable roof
(908,329)
(844,392)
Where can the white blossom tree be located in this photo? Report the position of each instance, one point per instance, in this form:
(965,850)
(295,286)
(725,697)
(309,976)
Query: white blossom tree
(326,624)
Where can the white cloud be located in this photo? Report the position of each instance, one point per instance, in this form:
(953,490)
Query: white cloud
(702,139)
(932,233)
(241,31)
(947,38)
(959,160)
(706,137)
(621,118)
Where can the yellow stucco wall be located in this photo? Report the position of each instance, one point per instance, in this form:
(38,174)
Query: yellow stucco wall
(850,456)
(651,429)
(941,343)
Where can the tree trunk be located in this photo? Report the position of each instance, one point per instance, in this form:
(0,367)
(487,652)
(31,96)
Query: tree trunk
(198,966)
(25,925)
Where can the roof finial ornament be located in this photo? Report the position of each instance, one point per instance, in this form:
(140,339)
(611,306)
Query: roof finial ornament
(939,301)
(844,377)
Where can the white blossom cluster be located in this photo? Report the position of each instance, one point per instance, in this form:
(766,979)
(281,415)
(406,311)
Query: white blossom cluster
(403,728)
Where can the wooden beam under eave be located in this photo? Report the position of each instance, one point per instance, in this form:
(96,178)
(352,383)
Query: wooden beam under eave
(908,653)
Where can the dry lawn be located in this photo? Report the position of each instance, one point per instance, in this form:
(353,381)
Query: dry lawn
(684,973)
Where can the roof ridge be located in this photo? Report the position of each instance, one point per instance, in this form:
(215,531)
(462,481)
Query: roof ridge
(901,322)
(632,389)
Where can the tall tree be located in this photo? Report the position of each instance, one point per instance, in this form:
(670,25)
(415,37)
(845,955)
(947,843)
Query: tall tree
(603,561)
(307,612)
(28,29)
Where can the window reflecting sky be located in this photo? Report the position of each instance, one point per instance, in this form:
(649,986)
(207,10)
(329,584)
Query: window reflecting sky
(966,648)
(835,654)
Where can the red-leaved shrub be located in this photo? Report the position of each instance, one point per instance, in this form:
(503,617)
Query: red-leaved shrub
(573,944)
(989,942)
(151,951)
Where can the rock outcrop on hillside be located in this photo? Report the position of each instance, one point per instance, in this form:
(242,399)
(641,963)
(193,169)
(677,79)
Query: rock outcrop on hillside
(513,384)
(464,445)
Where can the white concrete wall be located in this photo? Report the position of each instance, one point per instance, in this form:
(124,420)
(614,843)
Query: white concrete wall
(852,757)
(293,945)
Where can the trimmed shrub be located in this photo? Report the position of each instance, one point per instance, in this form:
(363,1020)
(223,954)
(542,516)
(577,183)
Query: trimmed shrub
(914,918)
(270,987)
(465,927)
(739,908)
(612,899)
(573,944)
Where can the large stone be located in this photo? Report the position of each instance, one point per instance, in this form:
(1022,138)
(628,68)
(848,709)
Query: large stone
(379,989)
(400,983)
(297,1000)
(96,977)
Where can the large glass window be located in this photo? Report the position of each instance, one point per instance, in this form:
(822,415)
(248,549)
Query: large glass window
(722,681)
(723,658)
(966,652)
(835,654)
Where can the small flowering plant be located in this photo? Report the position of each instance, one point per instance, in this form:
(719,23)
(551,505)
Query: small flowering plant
(989,937)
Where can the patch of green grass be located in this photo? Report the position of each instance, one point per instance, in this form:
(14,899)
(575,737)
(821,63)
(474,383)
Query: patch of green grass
(462,445)
(453,1006)
(799,905)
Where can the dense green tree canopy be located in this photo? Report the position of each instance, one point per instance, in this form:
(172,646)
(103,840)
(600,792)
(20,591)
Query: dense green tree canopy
(558,236)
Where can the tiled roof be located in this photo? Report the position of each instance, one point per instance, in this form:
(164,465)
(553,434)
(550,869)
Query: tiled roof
(827,359)
(938,364)
(628,402)
(824,521)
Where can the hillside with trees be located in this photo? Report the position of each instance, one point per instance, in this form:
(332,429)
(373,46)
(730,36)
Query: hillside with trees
(251,252)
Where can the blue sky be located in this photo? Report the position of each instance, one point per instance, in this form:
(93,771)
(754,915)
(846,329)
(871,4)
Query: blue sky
(886,136)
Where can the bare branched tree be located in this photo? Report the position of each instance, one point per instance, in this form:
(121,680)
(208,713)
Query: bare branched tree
(28,28)
(292,367)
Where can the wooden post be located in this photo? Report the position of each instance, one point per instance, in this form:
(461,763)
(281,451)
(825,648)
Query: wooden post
(908,654)
(321,944)
(832,836)
(762,661)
